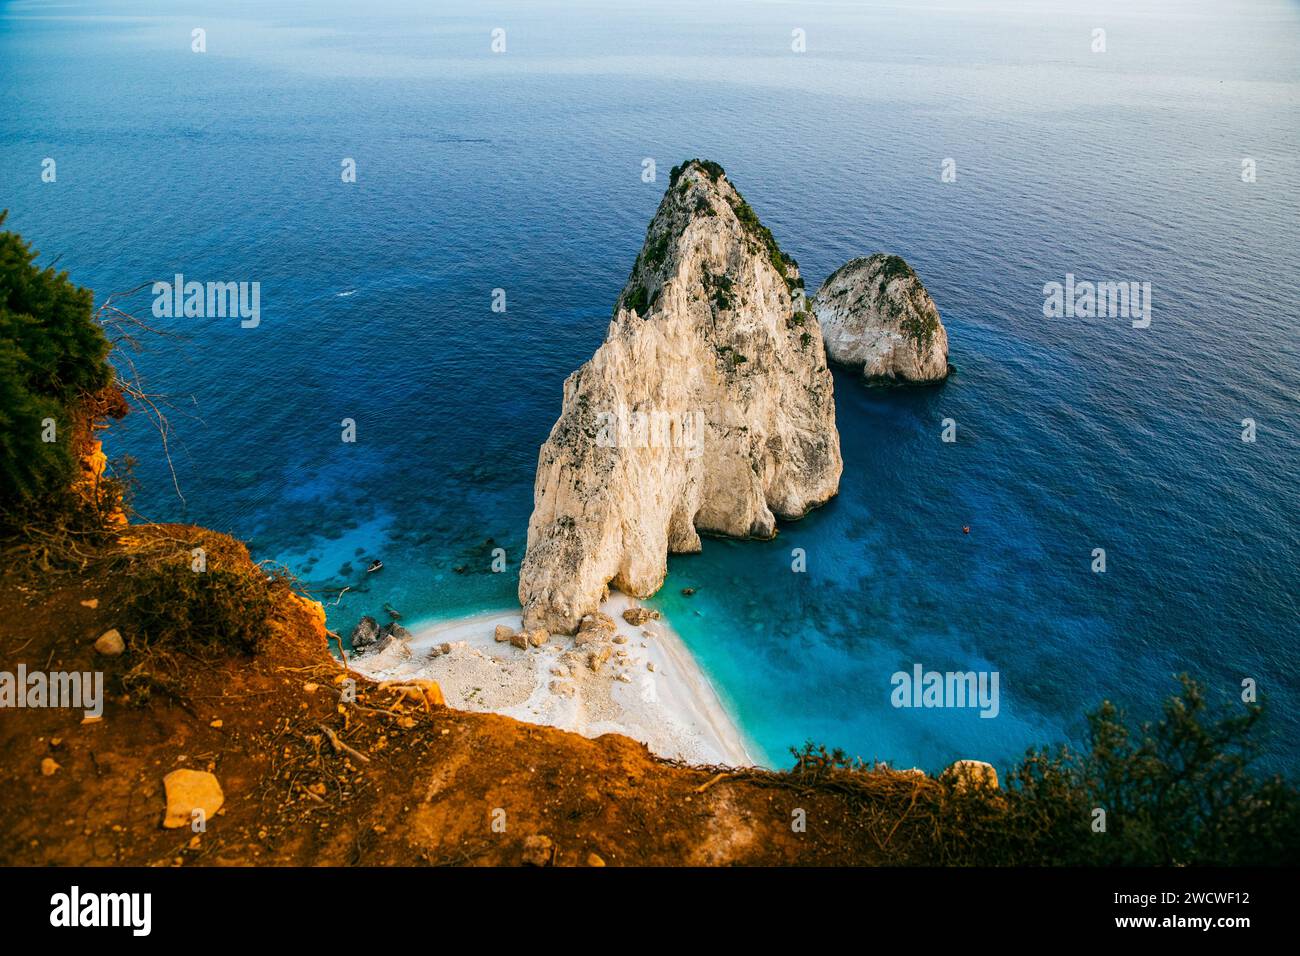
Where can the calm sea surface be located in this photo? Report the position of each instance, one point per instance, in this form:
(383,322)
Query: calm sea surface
(522,171)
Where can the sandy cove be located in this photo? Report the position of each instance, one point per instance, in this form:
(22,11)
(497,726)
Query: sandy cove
(651,688)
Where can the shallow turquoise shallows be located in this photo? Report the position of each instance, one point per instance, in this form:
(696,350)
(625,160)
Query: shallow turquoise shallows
(522,171)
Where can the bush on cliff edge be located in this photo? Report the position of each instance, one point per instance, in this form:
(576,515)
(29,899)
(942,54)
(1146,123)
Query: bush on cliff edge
(1179,791)
(54,374)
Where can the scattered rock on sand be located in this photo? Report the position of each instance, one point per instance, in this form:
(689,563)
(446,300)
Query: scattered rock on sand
(444,647)
(49,767)
(394,630)
(595,628)
(110,643)
(537,850)
(593,859)
(520,640)
(92,603)
(388,652)
(503,633)
(190,790)
(596,659)
(538,637)
(636,616)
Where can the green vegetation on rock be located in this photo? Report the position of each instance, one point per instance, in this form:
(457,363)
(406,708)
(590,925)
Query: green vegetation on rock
(1178,791)
(53,365)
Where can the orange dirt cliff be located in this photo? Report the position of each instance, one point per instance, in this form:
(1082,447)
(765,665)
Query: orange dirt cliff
(317,765)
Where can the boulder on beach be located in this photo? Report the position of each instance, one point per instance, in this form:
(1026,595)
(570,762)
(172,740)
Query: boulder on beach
(594,628)
(365,633)
(394,630)
(598,658)
(636,616)
(503,633)
(386,652)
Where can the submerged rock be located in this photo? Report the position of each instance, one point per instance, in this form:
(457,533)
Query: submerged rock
(876,315)
(708,408)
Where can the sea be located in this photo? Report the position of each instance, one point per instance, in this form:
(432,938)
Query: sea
(440,203)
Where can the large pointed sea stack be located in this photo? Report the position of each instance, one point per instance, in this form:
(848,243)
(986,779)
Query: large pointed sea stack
(707,409)
(877,316)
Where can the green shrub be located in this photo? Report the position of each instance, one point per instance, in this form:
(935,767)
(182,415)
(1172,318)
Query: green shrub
(657,250)
(638,300)
(168,605)
(1178,791)
(712,169)
(53,361)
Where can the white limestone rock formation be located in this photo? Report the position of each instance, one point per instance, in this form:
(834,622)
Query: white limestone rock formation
(876,315)
(708,408)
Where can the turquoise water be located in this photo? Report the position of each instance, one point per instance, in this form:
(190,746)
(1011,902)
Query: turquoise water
(522,171)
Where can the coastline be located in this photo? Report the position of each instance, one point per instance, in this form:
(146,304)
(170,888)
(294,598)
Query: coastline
(651,690)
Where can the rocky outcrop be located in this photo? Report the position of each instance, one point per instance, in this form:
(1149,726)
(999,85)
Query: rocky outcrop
(365,633)
(876,315)
(971,775)
(707,409)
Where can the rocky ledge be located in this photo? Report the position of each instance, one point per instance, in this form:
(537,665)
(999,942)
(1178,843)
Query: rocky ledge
(876,315)
(708,408)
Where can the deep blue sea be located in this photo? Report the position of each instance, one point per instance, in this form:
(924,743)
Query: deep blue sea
(521,171)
